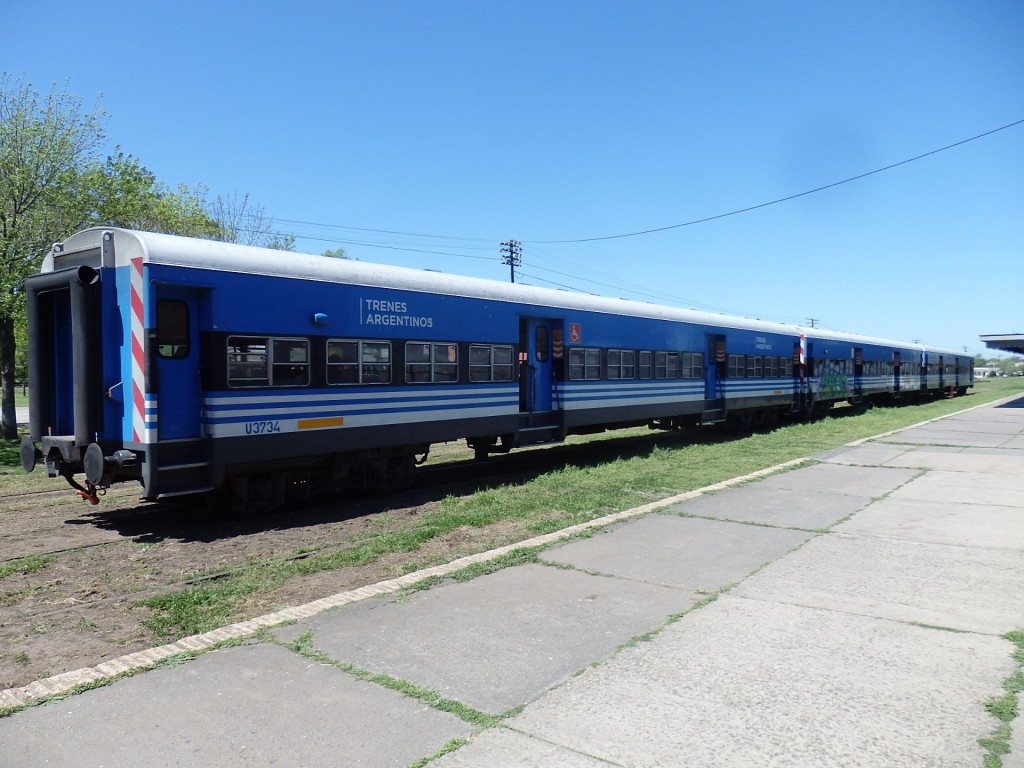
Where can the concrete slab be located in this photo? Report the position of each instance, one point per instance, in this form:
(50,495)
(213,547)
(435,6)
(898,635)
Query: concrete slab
(832,479)
(500,640)
(251,705)
(774,506)
(958,587)
(925,436)
(1016,757)
(969,525)
(997,461)
(698,556)
(817,688)
(964,488)
(511,749)
(970,422)
(865,454)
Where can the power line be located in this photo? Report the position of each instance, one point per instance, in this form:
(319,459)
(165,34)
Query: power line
(638,232)
(781,199)
(379,231)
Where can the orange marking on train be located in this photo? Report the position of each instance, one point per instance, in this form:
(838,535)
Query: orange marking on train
(327,421)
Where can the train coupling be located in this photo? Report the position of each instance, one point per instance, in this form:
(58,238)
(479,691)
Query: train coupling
(100,470)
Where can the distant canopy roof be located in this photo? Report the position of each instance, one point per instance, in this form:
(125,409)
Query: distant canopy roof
(1007,342)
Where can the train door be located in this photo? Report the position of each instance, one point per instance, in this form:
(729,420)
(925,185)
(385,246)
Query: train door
(858,373)
(714,379)
(942,372)
(537,344)
(897,383)
(175,358)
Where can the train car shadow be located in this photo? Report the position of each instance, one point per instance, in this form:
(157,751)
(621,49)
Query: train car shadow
(206,519)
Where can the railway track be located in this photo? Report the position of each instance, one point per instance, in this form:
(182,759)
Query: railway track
(85,569)
(44,528)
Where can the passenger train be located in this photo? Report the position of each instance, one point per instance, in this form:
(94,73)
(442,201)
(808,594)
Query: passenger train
(193,365)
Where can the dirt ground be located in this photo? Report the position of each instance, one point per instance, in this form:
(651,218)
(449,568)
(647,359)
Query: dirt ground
(82,607)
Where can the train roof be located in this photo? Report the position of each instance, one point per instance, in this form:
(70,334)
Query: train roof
(117,247)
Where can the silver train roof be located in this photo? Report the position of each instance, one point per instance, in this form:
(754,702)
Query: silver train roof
(108,247)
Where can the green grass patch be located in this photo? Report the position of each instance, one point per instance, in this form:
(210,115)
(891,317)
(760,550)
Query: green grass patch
(1005,708)
(664,465)
(25,565)
(10,454)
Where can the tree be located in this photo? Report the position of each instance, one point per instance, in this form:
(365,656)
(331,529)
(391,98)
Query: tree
(53,182)
(45,145)
(337,253)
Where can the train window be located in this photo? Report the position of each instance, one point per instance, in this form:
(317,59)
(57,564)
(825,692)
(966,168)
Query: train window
(786,365)
(737,366)
(672,365)
(172,332)
(431,362)
(645,365)
(696,365)
(446,362)
(342,362)
(504,367)
(755,366)
(358,362)
(375,357)
(247,362)
(584,364)
(488,363)
(290,362)
(621,363)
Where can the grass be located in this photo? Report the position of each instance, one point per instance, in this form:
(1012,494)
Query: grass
(660,466)
(552,501)
(1005,708)
(25,565)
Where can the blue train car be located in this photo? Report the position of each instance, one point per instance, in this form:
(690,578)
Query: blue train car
(192,365)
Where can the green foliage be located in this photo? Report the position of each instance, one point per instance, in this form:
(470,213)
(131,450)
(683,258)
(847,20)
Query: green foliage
(47,143)
(25,565)
(54,181)
(281,242)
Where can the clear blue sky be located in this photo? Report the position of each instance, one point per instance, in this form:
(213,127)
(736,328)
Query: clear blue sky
(470,123)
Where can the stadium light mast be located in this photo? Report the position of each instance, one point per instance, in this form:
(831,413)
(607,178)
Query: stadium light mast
(512,254)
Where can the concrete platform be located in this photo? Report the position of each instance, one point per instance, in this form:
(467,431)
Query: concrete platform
(859,613)
(747,682)
(697,556)
(498,641)
(257,705)
(812,498)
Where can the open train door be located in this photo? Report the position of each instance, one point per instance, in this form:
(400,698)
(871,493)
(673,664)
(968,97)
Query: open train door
(542,352)
(537,361)
(714,384)
(858,374)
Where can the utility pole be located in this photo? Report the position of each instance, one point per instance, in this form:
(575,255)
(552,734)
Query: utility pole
(512,254)
(813,322)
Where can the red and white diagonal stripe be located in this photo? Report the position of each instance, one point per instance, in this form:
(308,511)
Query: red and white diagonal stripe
(138,329)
